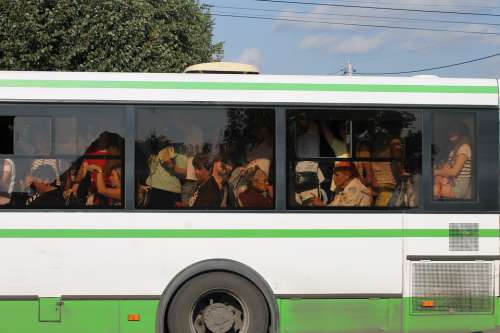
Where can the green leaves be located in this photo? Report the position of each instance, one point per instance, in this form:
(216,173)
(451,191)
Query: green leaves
(110,35)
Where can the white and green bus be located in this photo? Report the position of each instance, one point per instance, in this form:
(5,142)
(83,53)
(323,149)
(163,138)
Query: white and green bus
(195,203)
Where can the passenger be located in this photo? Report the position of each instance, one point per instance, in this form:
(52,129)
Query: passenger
(259,193)
(352,192)
(190,182)
(307,184)
(454,178)
(167,170)
(365,168)
(383,171)
(112,192)
(7,181)
(107,144)
(202,167)
(45,193)
(214,193)
(53,163)
(403,195)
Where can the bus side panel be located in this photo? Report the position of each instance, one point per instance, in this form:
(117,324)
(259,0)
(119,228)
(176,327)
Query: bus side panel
(138,254)
(341,315)
(80,316)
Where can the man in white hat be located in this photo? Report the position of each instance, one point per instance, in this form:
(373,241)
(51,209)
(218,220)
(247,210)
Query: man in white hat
(352,192)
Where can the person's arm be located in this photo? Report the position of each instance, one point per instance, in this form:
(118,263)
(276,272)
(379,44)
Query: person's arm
(170,165)
(110,192)
(337,145)
(454,170)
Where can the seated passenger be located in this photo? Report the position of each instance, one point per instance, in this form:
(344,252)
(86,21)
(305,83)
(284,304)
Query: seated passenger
(214,193)
(259,194)
(454,178)
(46,194)
(352,192)
(113,192)
(53,163)
(307,184)
(7,180)
(166,170)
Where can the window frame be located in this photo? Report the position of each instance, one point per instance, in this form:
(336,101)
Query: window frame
(291,142)
(486,131)
(43,110)
(280,156)
(203,108)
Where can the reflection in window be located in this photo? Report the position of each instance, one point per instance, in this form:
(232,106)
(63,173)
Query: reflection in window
(62,157)
(204,158)
(353,158)
(452,156)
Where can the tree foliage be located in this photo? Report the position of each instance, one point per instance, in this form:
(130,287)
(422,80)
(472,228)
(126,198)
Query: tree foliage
(105,35)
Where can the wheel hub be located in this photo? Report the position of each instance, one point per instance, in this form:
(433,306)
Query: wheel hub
(218,317)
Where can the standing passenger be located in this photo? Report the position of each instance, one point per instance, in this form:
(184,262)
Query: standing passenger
(167,169)
(214,193)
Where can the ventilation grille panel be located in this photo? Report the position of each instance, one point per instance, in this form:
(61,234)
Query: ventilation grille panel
(452,287)
(464,236)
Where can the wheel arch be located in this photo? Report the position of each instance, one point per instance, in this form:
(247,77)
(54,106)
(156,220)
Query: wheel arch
(220,265)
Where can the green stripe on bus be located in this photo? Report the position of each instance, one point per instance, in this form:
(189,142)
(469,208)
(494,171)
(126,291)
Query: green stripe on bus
(388,88)
(295,316)
(232,233)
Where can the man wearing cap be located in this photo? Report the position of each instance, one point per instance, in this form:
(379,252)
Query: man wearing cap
(352,192)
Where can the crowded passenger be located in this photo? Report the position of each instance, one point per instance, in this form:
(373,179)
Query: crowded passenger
(7,181)
(214,193)
(109,187)
(259,193)
(202,167)
(383,171)
(103,154)
(350,192)
(372,146)
(453,179)
(167,170)
(44,191)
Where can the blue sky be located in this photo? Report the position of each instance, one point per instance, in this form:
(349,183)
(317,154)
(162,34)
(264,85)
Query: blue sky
(309,48)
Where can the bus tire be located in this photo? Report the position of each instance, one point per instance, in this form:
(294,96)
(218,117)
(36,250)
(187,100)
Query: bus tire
(218,302)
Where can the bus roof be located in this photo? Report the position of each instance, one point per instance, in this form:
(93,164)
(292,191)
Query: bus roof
(238,89)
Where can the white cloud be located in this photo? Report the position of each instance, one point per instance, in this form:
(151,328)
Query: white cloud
(251,56)
(349,39)
(356,44)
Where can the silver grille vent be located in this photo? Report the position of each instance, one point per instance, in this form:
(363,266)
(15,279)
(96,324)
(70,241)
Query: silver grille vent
(452,287)
(464,237)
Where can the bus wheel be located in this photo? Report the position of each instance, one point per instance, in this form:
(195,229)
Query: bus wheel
(218,302)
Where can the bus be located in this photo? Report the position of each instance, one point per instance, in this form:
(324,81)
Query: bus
(175,203)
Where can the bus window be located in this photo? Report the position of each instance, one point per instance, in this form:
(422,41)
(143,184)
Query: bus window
(453,152)
(63,157)
(353,158)
(201,158)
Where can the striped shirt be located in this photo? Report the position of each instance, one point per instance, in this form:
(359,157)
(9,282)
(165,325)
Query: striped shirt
(465,149)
